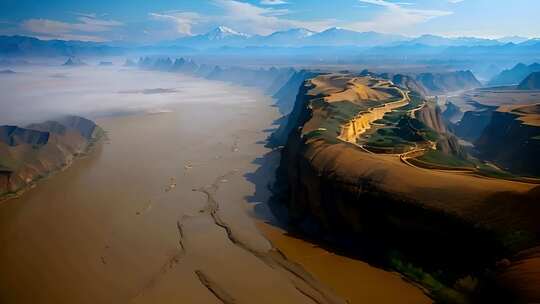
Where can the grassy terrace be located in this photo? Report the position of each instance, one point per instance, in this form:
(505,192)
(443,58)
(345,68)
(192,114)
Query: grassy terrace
(336,114)
(445,160)
(397,132)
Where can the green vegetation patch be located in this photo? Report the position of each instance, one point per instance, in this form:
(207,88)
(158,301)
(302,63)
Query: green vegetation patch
(388,138)
(440,158)
(337,114)
(439,291)
(415,101)
(420,130)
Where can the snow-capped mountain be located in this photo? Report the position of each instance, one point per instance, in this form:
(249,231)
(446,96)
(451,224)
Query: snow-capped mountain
(301,37)
(218,37)
(223,32)
(292,37)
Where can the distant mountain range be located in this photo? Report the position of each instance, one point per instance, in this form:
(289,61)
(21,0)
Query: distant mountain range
(29,46)
(300,37)
(486,57)
(514,75)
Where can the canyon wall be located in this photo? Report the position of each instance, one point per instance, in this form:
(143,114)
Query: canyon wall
(511,144)
(377,207)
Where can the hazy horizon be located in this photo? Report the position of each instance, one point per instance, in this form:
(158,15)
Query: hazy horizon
(145,22)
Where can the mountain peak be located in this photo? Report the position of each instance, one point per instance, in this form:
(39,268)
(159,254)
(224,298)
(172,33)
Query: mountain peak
(222,32)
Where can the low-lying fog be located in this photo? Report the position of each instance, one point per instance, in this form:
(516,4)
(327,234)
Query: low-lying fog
(37,93)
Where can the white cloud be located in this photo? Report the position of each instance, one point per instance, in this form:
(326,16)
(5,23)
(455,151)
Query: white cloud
(85,28)
(455,1)
(182,21)
(258,20)
(395,18)
(273,2)
(240,16)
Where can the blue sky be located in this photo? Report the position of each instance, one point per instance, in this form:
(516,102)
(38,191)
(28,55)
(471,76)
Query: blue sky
(155,20)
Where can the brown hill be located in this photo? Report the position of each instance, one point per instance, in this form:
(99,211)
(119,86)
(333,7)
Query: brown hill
(30,153)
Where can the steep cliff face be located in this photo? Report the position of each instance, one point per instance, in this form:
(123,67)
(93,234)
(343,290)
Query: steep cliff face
(286,95)
(33,152)
(431,116)
(376,205)
(511,144)
(472,124)
(447,142)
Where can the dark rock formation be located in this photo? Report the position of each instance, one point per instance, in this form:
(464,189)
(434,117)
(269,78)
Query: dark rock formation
(14,136)
(472,124)
(511,144)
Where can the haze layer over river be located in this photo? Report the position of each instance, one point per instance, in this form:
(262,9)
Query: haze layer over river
(159,213)
(36,93)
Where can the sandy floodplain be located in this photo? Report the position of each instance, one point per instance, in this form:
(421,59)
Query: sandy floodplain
(160,211)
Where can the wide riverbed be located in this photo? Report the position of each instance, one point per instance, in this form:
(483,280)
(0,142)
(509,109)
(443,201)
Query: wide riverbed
(160,211)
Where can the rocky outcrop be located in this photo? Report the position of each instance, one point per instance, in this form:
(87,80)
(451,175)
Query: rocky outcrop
(33,152)
(447,142)
(472,124)
(430,114)
(511,144)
